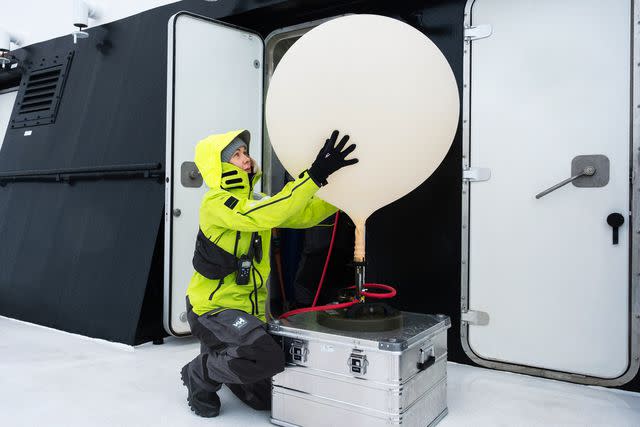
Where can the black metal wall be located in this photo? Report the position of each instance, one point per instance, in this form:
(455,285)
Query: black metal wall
(86,256)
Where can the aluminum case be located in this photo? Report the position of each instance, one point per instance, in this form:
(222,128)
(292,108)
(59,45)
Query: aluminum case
(361,378)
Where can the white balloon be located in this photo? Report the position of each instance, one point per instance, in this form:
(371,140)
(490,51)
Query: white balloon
(380,81)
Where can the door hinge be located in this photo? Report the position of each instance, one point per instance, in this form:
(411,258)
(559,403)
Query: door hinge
(477,32)
(478,318)
(476,174)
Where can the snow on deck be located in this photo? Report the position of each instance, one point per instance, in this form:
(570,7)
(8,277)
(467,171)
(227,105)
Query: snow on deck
(53,378)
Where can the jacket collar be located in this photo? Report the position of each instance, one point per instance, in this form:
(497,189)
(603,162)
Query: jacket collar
(237,181)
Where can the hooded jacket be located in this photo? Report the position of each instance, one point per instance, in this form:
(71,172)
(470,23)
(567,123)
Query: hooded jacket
(230,212)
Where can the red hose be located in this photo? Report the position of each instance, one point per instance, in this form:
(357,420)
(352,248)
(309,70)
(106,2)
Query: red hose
(318,308)
(278,260)
(392,292)
(326,261)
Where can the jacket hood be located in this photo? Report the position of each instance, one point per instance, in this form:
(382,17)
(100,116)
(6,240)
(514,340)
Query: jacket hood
(215,173)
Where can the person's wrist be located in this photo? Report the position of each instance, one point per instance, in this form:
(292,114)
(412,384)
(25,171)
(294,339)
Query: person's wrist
(317,176)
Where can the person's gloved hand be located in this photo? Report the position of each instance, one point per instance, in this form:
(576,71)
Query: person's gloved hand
(331,158)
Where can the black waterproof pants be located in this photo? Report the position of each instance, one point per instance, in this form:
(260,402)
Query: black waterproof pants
(237,351)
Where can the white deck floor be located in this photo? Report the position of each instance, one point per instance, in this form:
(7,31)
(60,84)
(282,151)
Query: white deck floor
(52,378)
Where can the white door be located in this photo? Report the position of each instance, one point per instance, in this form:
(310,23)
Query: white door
(7,99)
(214,85)
(552,82)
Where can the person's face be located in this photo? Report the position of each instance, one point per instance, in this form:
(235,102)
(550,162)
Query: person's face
(241,159)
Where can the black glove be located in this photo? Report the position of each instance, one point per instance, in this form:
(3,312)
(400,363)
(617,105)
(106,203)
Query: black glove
(331,158)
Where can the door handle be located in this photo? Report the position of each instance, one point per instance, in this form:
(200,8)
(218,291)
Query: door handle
(615,220)
(587,171)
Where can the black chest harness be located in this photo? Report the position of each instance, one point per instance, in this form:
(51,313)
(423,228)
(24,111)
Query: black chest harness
(214,263)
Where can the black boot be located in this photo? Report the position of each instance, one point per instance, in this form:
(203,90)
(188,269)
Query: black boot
(257,395)
(204,403)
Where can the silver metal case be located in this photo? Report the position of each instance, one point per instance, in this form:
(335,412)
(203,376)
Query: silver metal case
(361,378)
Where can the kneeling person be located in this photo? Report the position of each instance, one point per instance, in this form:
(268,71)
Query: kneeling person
(227,293)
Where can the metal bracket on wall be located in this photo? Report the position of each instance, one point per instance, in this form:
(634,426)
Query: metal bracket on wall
(476,174)
(477,32)
(478,318)
(190,176)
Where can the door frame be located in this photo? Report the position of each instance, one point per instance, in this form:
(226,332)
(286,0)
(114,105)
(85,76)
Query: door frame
(634,229)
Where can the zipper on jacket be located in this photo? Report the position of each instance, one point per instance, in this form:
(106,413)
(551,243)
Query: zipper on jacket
(255,290)
(259,287)
(216,289)
(235,247)
(253,306)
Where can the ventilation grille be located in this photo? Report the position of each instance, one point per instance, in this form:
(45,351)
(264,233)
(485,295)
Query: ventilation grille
(40,93)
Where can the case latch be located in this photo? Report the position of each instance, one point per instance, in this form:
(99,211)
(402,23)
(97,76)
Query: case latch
(299,351)
(357,363)
(426,358)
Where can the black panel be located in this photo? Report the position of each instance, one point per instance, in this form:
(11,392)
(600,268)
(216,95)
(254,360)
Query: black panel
(150,327)
(87,257)
(77,257)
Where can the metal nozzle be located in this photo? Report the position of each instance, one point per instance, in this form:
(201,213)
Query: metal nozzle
(359,278)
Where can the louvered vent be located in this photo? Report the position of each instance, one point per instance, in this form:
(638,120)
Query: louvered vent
(40,93)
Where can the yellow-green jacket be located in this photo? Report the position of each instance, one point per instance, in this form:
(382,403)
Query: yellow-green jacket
(231,206)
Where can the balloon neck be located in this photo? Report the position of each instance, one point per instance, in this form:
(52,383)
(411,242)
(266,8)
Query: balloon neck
(359,248)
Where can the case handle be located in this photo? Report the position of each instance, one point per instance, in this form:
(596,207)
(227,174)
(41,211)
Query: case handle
(426,364)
